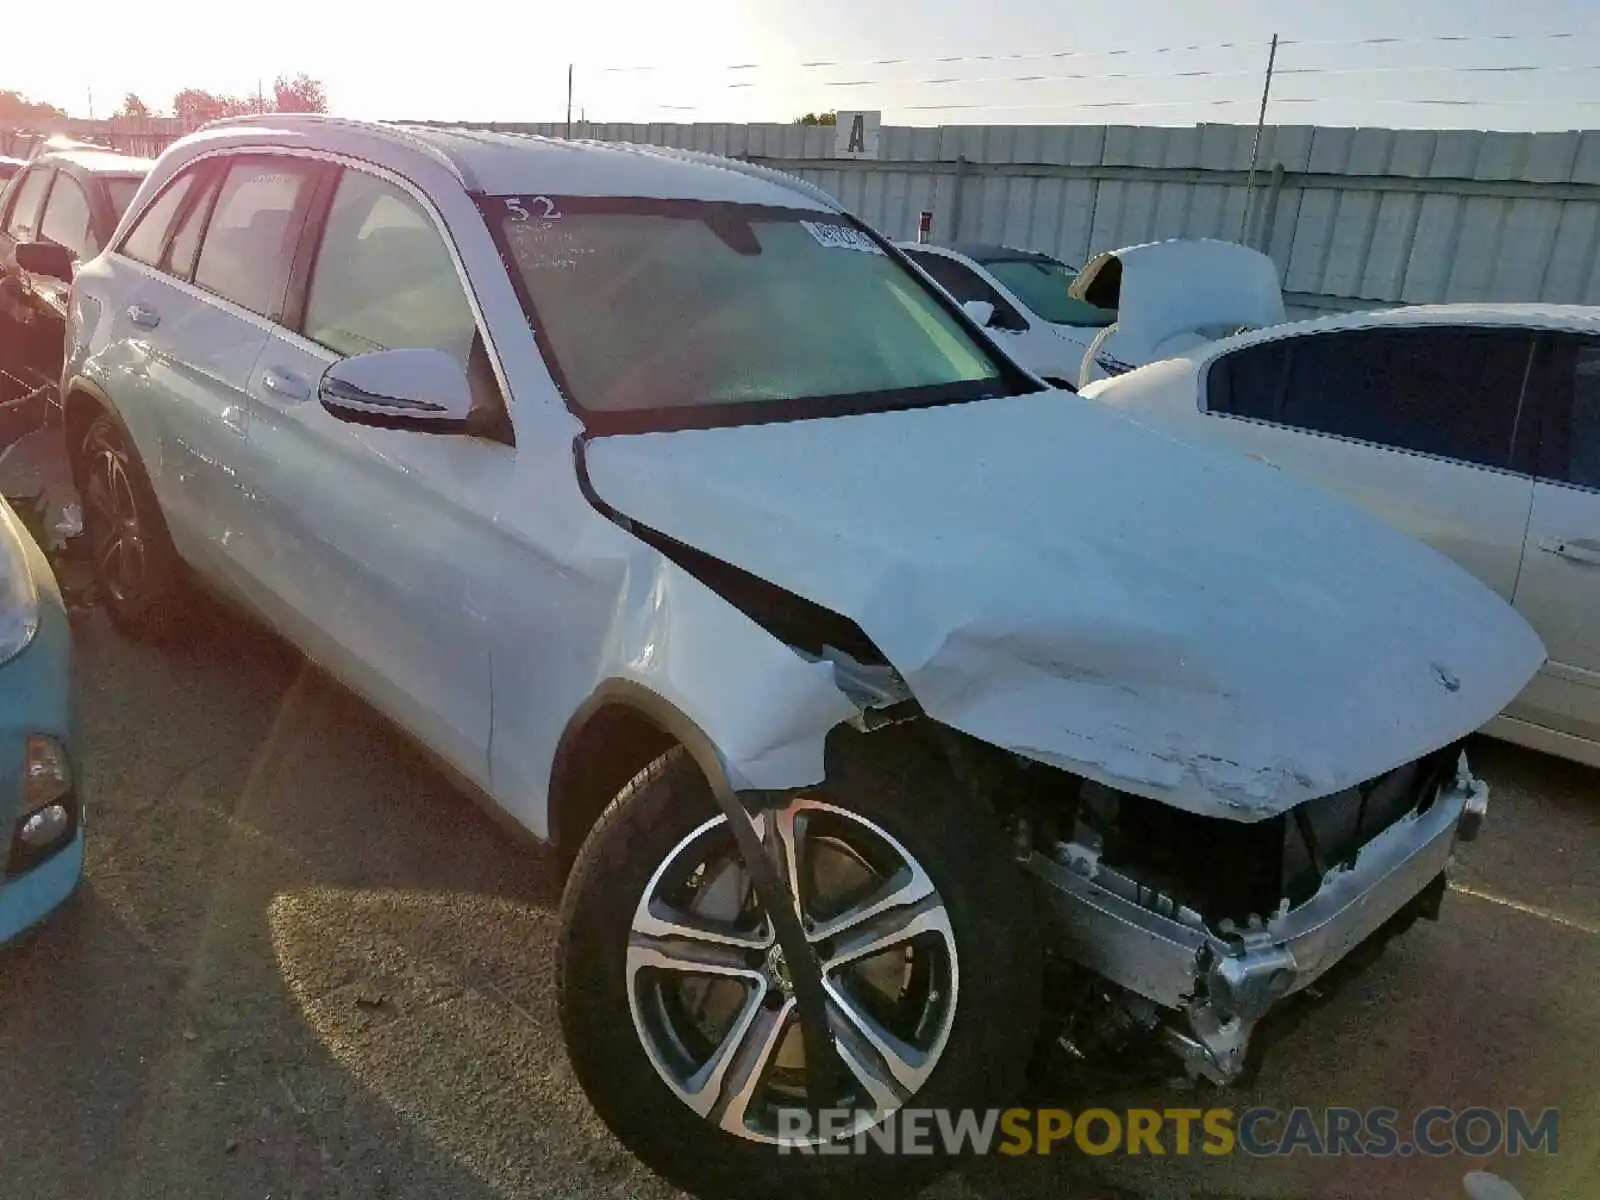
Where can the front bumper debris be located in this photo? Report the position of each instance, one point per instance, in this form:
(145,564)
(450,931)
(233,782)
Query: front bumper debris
(1219,985)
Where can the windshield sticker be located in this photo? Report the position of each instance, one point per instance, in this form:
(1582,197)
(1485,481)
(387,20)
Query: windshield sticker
(542,208)
(841,237)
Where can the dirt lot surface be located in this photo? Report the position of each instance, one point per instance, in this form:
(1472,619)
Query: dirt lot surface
(303,966)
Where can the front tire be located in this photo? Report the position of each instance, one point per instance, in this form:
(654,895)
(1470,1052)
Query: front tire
(674,1002)
(138,574)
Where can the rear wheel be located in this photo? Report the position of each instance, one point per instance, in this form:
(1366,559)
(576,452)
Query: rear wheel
(138,574)
(679,1008)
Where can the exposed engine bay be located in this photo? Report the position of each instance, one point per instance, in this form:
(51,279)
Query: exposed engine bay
(1178,933)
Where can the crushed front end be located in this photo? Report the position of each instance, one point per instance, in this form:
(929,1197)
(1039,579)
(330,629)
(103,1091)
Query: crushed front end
(1186,930)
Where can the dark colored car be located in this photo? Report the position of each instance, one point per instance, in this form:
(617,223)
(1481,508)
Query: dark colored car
(58,210)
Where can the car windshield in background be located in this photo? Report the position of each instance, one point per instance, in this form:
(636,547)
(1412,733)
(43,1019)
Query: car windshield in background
(663,314)
(121,189)
(1042,285)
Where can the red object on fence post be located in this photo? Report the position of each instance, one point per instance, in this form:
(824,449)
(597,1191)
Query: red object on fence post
(924,226)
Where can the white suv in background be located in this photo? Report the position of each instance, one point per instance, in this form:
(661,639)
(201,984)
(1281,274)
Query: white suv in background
(707,539)
(1021,299)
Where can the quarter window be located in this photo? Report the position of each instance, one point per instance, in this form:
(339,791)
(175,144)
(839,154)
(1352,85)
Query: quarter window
(150,231)
(185,244)
(1569,451)
(248,243)
(1451,392)
(23,221)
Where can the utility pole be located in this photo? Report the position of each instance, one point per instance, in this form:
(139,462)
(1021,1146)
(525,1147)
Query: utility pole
(1255,146)
(91,104)
(261,102)
(569,102)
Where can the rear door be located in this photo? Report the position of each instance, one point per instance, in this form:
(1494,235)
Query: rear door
(1559,590)
(67,220)
(1418,425)
(194,326)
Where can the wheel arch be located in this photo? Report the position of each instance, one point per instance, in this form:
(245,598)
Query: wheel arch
(617,732)
(82,400)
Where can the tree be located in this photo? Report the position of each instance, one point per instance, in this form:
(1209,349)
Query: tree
(132,106)
(300,94)
(14,106)
(197,105)
(826,118)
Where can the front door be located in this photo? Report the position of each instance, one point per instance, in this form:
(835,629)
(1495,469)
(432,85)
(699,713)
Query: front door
(1559,590)
(378,545)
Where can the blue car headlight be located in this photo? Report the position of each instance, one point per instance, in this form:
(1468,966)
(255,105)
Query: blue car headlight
(19,595)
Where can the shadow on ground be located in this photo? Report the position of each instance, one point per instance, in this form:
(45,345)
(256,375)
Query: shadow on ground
(303,965)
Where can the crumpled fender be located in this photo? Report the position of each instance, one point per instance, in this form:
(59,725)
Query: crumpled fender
(1057,580)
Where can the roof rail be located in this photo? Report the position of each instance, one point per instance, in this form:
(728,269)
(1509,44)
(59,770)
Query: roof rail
(703,157)
(384,129)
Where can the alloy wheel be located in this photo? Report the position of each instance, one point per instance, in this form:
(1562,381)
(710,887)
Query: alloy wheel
(116,532)
(712,997)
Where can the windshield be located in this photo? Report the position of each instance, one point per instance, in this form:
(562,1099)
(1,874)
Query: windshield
(121,189)
(662,314)
(1042,285)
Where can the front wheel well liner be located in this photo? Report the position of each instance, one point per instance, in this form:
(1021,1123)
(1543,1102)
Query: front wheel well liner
(619,731)
(81,403)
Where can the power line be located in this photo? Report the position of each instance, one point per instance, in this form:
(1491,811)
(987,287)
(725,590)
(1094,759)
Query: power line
(1060,105)
(818,64)
(1137,76)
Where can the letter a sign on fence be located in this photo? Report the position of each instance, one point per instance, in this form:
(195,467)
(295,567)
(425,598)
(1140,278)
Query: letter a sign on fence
(856,135)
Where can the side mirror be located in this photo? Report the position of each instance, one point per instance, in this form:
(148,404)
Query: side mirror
(45,258)
(422,390)
(980,311)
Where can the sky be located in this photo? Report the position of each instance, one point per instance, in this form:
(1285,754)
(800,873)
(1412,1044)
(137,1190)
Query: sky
(720,60)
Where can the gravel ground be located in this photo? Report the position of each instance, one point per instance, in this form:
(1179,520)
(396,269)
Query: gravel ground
(303,966)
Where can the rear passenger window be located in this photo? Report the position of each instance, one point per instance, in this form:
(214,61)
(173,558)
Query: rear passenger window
(1451,392)
(66,218)
(22,222)
(149,233)
(244,256)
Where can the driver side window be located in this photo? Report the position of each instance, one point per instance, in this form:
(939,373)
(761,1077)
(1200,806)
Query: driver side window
(384,279)
(965,284)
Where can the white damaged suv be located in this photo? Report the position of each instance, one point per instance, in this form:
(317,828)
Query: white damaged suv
(901,714)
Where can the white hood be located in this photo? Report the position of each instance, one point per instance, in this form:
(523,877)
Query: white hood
(1055,579)
(1172,296)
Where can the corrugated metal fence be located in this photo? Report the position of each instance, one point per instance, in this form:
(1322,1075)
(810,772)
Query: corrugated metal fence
(1353,217)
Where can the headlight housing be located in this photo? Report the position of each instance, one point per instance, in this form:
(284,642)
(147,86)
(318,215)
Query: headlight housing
(19,595)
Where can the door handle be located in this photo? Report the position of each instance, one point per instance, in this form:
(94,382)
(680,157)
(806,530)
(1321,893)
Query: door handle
(144,318)
(1580,550)
(284,385)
